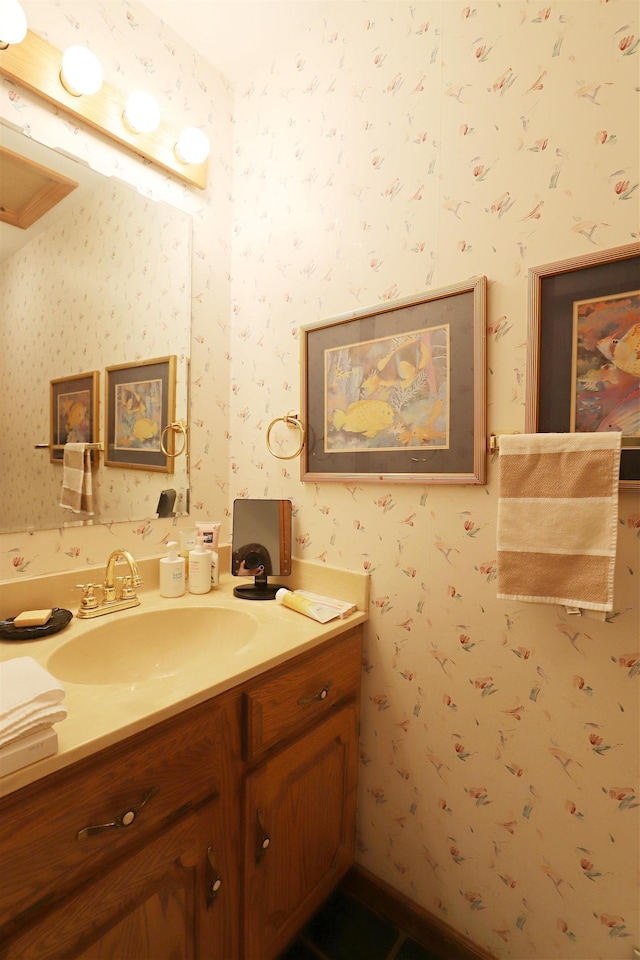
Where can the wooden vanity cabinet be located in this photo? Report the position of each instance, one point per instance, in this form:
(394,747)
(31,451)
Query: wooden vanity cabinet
(301,738)
(117,854)
(214,834)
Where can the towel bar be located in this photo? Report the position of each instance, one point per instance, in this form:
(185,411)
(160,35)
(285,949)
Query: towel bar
(494,441)
(60,446)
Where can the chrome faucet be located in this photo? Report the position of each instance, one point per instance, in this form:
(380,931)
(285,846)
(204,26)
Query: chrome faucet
(111,601)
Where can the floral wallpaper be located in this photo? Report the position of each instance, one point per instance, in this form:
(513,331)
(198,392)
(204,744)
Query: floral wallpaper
(401,147)
(116,291)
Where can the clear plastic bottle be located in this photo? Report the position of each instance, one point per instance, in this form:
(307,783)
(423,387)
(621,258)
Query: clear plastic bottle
(199,568)
(172,577)
(188,541)
(215,569)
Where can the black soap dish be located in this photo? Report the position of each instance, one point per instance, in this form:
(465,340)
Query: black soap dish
(57,621)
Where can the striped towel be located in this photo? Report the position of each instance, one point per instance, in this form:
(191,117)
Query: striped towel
(77,489)
(558,518)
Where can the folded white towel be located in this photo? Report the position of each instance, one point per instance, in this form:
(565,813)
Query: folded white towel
(25,684)
(39,720)
(77,488)
(30,699)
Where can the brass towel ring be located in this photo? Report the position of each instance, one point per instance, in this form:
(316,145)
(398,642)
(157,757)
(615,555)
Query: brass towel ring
(292,422)
(179,426)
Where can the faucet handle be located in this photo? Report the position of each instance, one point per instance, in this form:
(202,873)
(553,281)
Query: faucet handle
(89,599)
(127,591)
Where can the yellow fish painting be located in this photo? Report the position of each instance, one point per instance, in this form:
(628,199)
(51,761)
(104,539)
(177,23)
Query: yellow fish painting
(144,429)
(368,417)
(623,351)
(77,414)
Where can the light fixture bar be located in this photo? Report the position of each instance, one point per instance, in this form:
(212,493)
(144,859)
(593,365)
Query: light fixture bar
(35,64)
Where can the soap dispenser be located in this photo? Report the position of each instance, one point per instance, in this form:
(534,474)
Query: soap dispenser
(172,578)
(199,568)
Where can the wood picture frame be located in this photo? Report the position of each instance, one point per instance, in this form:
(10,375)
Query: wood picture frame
(397,393)
(140,401)
(583,342)
(74,414)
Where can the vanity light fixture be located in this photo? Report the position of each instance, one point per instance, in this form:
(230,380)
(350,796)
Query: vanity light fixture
(36,65)
(81,73)
(142,112)
(192,146)
(13,23)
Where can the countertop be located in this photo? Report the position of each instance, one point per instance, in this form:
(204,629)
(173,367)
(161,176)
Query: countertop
(101,714)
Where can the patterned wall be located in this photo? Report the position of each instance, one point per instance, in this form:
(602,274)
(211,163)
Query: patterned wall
(402,146)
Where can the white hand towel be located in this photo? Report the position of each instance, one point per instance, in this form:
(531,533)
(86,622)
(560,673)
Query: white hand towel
(558,518)
(25,685)
(77,486)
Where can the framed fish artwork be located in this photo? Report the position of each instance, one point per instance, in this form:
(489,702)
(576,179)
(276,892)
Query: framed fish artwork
(397,393)
(140,400)
(73,412)
(583,364)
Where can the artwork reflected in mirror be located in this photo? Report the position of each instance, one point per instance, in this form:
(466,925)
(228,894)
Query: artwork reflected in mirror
(104,278)
(260,546)
(74,410)
(140,405)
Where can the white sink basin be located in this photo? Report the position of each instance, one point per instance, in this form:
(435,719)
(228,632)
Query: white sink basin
(128,647)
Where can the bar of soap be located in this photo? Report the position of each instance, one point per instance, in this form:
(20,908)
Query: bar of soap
(32,618)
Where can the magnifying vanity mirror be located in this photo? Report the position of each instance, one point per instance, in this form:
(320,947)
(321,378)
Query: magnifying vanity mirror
(260,546)
(101,280)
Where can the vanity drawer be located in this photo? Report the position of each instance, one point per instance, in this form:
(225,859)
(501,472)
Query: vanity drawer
(291,697)
(144,783)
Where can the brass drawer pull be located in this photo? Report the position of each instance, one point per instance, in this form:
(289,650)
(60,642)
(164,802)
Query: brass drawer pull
(124,820)
(262,839)
(322,695)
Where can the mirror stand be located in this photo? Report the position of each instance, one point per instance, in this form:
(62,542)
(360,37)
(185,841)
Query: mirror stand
(261,589)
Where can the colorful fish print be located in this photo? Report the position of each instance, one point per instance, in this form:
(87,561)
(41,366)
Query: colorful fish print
(369,417)
(623,351)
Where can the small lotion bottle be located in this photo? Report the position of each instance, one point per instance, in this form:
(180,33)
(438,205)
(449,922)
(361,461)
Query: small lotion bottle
(210,530)
(172,578)
(199,569)
(310,608)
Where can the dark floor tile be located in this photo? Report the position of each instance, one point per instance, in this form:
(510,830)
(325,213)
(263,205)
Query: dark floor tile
(410,950)
(345,930)
(299,951)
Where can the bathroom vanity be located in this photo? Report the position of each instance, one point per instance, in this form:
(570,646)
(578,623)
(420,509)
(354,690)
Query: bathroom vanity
(216,828)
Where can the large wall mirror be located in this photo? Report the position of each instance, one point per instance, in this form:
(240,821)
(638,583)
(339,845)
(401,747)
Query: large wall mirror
(100,280)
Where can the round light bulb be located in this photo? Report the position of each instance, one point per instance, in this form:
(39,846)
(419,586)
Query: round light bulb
(192,146)
(141,112)
(81,71)
(13,24)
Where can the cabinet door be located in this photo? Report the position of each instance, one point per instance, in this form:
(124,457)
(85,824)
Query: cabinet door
(145,906)
(299,813)
(219,894)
